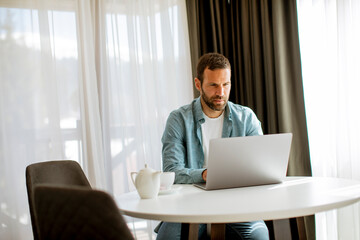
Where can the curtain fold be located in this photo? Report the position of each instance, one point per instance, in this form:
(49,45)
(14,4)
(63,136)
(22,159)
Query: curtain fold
(260,38)
(289,92)
(93,160)
(193,26)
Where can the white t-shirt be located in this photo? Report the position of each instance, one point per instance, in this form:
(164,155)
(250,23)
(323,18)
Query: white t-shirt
(211,128)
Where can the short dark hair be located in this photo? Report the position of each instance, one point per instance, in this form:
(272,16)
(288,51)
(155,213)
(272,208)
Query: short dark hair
(212,61)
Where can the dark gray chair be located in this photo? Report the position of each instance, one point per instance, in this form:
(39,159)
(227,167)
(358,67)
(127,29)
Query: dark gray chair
(69,213)
(63,173)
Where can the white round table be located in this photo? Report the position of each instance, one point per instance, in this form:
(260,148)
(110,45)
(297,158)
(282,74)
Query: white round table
(296,196)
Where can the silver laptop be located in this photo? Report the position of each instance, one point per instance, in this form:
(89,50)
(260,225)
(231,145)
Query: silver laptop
(247,161)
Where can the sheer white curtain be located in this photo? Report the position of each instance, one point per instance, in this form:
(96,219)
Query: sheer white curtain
(329,33)
(147,48)
(92,81)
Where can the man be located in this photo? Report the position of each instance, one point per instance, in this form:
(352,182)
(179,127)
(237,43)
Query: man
(189,129)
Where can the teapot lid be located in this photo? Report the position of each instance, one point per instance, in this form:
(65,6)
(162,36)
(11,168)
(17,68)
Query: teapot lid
(147,169)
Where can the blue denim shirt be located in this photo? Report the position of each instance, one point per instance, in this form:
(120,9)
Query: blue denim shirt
(182,150)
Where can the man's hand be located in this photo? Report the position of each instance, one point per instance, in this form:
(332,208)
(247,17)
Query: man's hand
(204,174)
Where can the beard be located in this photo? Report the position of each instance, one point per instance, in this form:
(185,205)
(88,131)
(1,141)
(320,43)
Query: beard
(209,101)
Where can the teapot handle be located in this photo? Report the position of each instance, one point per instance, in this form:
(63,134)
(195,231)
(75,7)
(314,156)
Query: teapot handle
(132,174)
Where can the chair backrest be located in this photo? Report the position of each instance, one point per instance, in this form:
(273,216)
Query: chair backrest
(78,213)
(65,172)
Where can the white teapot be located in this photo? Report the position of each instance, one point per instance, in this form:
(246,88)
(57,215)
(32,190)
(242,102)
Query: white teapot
(147,182)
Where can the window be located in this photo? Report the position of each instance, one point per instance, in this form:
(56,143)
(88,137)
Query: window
(92,81)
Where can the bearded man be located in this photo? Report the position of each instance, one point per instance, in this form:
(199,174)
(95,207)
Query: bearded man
(188,132)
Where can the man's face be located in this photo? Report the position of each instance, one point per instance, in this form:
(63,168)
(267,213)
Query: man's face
(215,89)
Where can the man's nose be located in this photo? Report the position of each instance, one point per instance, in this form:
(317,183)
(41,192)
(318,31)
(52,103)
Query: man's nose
(220,91)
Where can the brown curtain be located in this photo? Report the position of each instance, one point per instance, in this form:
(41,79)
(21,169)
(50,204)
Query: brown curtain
(260,38)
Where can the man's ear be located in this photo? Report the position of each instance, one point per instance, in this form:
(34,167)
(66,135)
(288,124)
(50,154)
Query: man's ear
(198,84)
